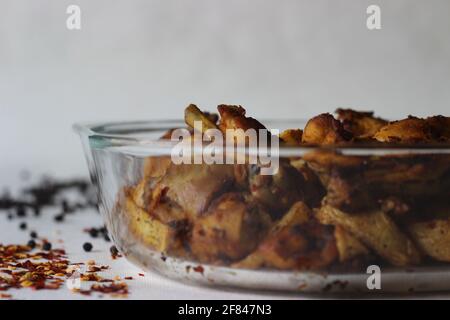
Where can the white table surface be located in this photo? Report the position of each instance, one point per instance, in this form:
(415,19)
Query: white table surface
(151,286)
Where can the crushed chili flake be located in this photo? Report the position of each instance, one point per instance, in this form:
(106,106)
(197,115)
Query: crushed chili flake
(117,288)
(23,267)
(18,271)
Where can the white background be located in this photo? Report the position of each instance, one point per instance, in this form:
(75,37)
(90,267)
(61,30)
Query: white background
(145,59)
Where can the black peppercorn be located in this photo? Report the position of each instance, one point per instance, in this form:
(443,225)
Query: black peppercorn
(87,246)
(59,217)
(31,244)
(93,232)
(33,234)
(23,226)
(114,250)
(20,211)
(47,246)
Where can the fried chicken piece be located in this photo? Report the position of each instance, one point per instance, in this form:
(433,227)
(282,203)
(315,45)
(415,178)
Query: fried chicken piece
(325,129)
(193,186)
(233,117)
(440,127)
(377,231)
(432,237)
(296,242)
(229,230)
(292,137)
(313,189)
(408,130)
(342,177)
(276,192)
(347,190)
(357,183)
(361,124)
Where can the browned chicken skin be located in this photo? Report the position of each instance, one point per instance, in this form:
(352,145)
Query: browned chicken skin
(321,210)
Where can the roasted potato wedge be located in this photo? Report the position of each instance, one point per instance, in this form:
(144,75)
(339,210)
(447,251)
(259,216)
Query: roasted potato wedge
(149,230)
(295,242)
(432,237)
(377,231)
(348,246)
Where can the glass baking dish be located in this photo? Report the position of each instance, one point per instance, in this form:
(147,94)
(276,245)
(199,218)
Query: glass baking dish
(332,219)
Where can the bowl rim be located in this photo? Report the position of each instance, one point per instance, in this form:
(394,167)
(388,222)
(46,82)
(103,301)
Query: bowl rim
(102,132)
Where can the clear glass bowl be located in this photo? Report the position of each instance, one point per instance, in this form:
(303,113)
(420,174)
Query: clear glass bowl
(329,220)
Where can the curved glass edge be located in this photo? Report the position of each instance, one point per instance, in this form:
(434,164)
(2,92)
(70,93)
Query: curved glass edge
(116,137)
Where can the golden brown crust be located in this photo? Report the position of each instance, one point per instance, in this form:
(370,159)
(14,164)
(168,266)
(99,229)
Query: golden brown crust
(386,208)
(361,124)
(297,241)
(433,238)
(409,130)
(230,230)
(325,129)
(376,230)
(233,117)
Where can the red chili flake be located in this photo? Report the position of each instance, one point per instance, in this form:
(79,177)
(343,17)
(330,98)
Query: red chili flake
(141,274)
(117,288)
(128,278)
(199,269)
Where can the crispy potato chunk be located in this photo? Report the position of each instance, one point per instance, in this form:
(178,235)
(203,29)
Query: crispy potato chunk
(348,246)
(325,129)
(377,231)
(230,230)
(192,114)
(361,124)
(150,231)
(295,242)
(433,238)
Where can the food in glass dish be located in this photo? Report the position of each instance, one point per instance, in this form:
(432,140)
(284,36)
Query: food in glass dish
(329,208)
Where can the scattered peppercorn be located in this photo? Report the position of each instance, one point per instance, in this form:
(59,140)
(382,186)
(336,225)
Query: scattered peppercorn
(93,232)
(20,211)
(65,206)
(87,246)
(114,250)
(23,226)
(33,234)
(47,246)
(36,210)
(59,217)
(31,244)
